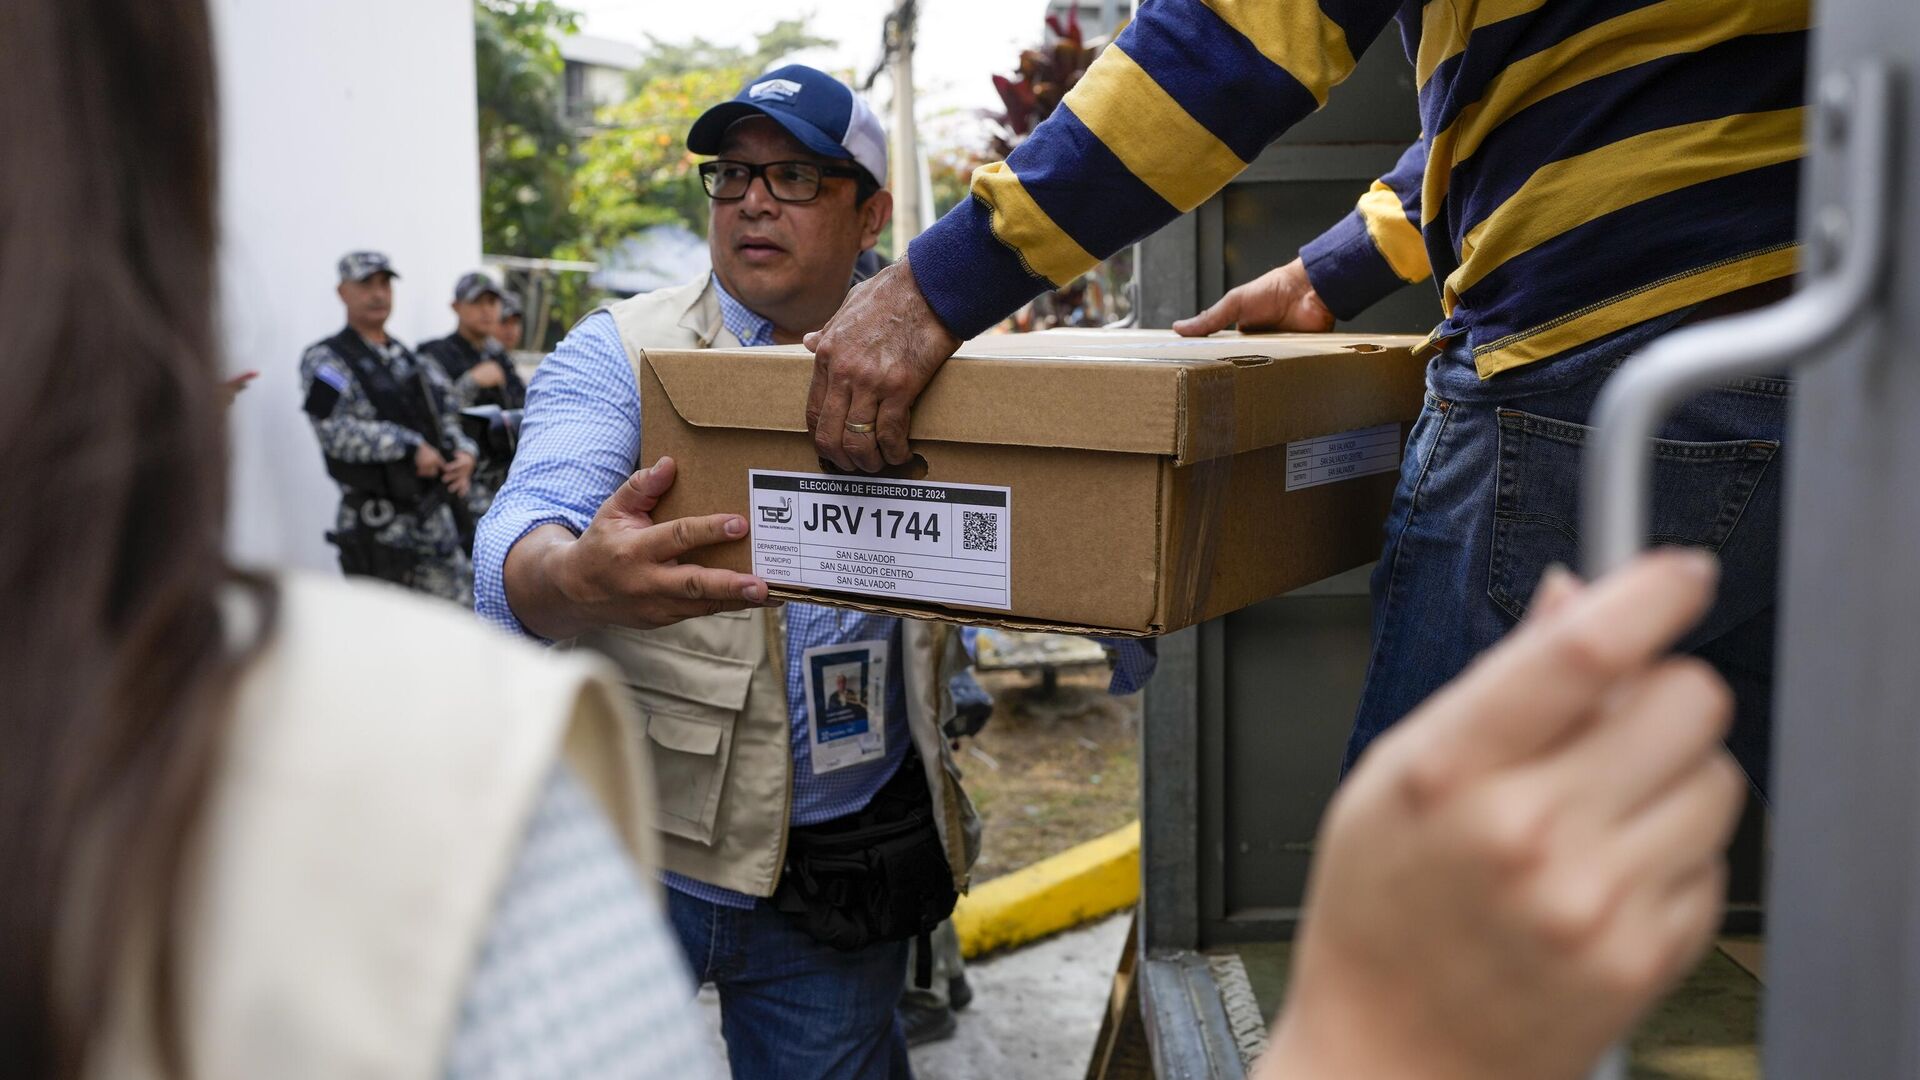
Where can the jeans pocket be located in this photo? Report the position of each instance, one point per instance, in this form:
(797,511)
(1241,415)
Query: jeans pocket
(1700,490)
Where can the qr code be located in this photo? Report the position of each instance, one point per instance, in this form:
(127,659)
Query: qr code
(978,531)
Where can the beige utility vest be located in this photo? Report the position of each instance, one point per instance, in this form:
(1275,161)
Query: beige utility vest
(366,811)
(712,691)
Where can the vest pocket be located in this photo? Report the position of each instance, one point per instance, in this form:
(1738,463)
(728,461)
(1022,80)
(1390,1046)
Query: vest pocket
(1700,492)
(690,744)
(690,682)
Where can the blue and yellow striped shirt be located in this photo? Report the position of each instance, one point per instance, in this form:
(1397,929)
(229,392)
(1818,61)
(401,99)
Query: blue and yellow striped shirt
(1586,164)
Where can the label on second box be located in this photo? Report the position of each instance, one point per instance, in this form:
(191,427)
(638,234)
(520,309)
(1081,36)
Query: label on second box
(890,539)
(1331,458)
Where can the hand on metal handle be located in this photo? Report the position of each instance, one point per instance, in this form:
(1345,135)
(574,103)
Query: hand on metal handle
(1846,254)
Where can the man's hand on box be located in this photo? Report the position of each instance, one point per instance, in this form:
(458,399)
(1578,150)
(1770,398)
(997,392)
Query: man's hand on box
(624,570)
(871,361)
(1280,299)
(1521,867)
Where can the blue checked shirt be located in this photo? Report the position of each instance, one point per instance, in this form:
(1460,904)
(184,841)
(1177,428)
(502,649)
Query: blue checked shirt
(578,443)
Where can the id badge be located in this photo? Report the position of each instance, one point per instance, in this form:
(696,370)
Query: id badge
(846,685)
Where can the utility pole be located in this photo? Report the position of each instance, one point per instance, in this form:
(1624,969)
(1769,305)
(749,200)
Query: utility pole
(907,212)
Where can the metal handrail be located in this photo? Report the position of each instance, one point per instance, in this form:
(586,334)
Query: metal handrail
(1848,249)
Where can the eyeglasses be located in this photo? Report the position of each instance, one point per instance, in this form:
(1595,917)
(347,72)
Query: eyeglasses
(787,181)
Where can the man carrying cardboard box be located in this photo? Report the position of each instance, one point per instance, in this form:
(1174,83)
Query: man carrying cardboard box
(1592,175)
(783,740)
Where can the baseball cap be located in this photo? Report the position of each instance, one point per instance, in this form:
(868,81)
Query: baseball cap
(509,304)
(472,286)
(361,265)
(813,106)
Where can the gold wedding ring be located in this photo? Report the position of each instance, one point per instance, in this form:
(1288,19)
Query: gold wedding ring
(859,429)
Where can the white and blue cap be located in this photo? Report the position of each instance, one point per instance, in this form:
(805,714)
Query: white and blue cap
(814,107)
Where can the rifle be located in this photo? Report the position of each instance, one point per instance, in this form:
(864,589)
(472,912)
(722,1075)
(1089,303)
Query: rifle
(430,501)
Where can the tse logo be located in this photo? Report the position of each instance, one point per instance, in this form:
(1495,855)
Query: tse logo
(877,523)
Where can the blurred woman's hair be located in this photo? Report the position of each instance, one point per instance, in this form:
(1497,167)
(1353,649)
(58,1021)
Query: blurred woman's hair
(115,670)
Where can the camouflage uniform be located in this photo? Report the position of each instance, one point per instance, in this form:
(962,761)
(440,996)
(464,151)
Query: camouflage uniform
(352,430)
(458,357)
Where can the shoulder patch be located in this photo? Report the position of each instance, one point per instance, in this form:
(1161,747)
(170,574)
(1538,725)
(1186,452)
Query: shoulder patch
(329,384)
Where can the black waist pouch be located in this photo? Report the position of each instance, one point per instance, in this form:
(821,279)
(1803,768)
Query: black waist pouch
(878,875)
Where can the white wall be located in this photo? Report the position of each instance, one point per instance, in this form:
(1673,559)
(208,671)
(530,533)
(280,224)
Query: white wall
(346,124)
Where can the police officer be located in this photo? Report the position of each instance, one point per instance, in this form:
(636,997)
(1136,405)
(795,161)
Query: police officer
(391,438)
(511,331)
(481,371)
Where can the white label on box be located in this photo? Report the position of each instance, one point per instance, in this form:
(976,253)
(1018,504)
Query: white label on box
(1312,462)
(889,539)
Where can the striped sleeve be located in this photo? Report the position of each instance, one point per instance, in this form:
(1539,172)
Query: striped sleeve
(1185,98)
(1376,249)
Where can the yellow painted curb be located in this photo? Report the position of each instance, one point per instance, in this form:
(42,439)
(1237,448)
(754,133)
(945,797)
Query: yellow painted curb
(1054,894)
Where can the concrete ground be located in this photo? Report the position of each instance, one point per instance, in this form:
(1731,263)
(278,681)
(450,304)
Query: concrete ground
(1036,1011)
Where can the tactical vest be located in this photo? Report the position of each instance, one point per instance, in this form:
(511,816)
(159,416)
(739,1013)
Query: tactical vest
(405,403)
(457,356)
(395,401)
(376,491)
(712,691)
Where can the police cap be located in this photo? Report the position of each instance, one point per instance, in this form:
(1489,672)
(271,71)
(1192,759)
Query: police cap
(361,265)
(472,286)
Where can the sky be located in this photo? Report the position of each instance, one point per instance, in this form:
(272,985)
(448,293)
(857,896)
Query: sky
(962,43)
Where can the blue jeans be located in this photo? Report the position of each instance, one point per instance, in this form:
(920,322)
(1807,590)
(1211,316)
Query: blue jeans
(1489,497)
(792,1008)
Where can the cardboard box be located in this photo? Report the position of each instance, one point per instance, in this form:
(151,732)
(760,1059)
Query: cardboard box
(1131,482)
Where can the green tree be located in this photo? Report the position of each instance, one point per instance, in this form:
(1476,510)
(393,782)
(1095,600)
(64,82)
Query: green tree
(635,170)
(526,151)
(664,59)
